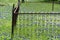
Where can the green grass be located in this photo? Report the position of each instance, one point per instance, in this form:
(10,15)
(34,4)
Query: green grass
(35,29)
(5,29)
(39,7)
(29,29)
(31,7)
(8,1)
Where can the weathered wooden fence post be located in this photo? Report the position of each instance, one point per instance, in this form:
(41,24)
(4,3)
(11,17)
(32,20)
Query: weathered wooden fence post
(14,18)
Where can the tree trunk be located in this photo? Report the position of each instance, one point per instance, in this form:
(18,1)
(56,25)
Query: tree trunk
(23,1)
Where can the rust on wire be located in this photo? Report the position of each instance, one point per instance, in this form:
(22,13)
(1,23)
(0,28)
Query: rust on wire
(15,11)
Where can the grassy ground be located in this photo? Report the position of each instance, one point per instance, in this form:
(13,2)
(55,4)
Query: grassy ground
(39,7)
(33,7)
(39,26)
(5,24)
(36,28)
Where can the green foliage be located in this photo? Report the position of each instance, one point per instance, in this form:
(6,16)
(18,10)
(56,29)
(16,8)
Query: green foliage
(50,0)
(23,1)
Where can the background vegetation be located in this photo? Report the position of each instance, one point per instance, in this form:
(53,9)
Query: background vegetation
(29,30)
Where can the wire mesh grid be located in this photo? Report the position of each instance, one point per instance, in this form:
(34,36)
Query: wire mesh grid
(39,26)
(30,26)
(5,22)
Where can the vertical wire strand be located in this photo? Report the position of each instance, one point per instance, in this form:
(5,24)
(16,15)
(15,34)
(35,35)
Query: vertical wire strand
(53,25)
(41,25)
(23,28)
(31,25)
(56,25)
(33,28)
(22,25)
(48,21)
(37,25)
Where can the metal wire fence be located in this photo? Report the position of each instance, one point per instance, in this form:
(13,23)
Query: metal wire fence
(5,22)
(39,26)
(31,26)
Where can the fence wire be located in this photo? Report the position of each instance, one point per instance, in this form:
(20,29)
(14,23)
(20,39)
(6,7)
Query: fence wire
(5,22)
(39,26)
(31,26)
